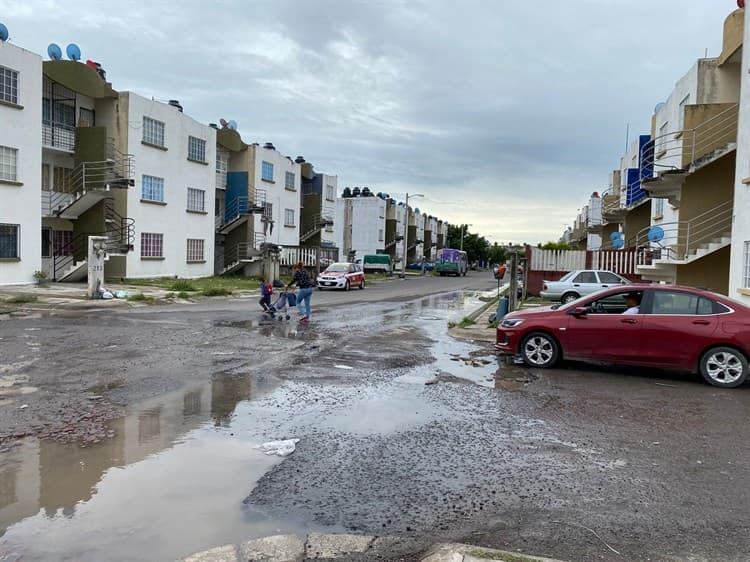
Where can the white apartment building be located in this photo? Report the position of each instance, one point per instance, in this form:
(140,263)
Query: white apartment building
(20,163)
(360,225)
(276,184)
(739,266)
(330,185)
(172,203)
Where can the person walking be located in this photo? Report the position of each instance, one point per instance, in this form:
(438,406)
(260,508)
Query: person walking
(304,283)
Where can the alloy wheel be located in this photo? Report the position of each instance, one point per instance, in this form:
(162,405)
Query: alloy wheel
(539,350)
(724,367)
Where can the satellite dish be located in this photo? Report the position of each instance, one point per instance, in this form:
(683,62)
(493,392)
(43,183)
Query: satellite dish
(618,243)
(54,51)
(617,235)
(656,234)
(73,52)
(3,32)
(659,107)
(232,124)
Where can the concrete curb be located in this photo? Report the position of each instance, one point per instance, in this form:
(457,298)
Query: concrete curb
(484,308)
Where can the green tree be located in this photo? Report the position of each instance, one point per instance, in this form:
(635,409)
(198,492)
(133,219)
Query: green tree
(497,254)
(477,247)
(555,246)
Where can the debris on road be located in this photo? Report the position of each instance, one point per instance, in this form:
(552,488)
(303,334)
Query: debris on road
(279,448)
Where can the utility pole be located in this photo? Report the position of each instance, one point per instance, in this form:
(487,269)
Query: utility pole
(406,235)
(463,229)
(513,291)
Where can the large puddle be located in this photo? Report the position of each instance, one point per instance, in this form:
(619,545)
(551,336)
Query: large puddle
(173,479)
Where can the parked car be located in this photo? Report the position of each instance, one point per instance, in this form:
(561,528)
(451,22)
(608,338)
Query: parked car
(377,263)
(417,266)
(341,276)
(580,283)
(673,328)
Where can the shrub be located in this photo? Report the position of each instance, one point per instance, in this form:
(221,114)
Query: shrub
(182,285)
(21,299)
(215,292)
(183,295)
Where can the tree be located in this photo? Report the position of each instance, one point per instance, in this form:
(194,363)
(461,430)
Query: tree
(497,254)
(476,247)
(555,246)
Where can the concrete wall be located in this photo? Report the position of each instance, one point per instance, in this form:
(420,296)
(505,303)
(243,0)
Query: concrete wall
(708,187)
(172,219)
(733,36)
(328,206)
(717,84)
(710,272)
(636,220)
(741,226)
(278,195)
(21,128)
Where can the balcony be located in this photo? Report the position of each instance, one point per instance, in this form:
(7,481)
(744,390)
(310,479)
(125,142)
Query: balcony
(58,136)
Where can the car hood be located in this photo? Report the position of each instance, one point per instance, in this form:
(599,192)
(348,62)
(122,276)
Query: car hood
(334,273)
(531,312)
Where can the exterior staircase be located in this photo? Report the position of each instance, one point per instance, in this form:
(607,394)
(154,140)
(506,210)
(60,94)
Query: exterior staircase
(317,223)
(683,242)
(239,255)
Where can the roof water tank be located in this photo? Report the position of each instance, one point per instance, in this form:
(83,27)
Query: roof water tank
(356,192)
(347,192)
(269,145)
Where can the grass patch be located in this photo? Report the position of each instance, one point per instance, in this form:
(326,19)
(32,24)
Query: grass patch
(21,299)
(229,283)
(140,297)
(215,292)
(169,296)
(466,322)
(452,325)
(183,295)
(4,310)
(182,285)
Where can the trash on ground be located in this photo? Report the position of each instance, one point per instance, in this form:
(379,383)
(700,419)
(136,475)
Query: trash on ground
(347,367)
(279,448)
(121,295)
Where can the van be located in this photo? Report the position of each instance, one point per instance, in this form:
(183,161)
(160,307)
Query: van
(377,263)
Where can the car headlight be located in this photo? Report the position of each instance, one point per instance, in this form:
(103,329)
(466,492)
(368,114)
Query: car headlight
(511,323)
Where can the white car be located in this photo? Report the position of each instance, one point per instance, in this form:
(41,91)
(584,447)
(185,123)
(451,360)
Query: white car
(580,283)
(341,276)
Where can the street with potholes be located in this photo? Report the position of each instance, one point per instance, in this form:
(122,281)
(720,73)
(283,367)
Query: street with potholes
(129,433)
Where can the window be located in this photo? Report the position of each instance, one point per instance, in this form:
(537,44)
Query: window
(196,149)
(46,178)
(746,267)
(153,131)
(8,163)
(609,278)
(267,171)
(8,85)
(9,235)
(330,193)
(586,277)
(658,208)
(611,304)
(661,141)
(289,181)
(683,103)
(62,179)
(288,217)
(196,200)
(86,117)
(195,250)
(673,302)
(381,235)
(152,245)
(62,243)
(152,189)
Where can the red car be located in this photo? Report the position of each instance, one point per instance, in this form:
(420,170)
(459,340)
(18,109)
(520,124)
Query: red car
(649,325)
(341,276)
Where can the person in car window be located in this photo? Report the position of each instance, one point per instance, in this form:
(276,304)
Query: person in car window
(305,284)
(633,302)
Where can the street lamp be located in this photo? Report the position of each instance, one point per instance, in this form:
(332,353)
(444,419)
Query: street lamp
(463,228)
(406,235)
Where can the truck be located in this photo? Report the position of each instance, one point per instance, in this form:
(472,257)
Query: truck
(377,263)
(451,262)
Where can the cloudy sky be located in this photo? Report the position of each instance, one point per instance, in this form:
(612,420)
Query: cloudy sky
(505,114)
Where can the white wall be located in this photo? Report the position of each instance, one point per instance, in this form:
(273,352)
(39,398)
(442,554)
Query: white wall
(172,220)
(367,222)
(280,197)
(741,226)
(21,128)
(328,208)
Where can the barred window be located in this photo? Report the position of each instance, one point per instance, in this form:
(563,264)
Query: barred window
(8,85)
(153,131)
(288,217)
(152,245)
(152,188)
(196,149)
(62,243)
(289,181)
(9,238)
(330,193)
(196,200)
(267,171)
(195,250)
(8,163)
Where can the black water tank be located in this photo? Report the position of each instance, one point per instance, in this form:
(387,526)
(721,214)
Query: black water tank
(356,192)
(366,192)
(347,192)
(269,145)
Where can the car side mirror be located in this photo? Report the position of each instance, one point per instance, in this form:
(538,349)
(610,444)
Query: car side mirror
(579,311)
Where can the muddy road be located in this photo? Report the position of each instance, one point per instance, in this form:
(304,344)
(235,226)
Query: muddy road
(142,427)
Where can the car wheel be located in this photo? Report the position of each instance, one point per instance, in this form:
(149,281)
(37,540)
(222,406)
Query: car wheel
(539,350)
(570,297)
(362,284)
(347,286)
(724,367)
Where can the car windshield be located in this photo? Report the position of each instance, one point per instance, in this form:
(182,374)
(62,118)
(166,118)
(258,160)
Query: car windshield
(337,268)
(567,276)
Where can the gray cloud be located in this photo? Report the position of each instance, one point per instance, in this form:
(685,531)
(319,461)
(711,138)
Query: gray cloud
(505,114)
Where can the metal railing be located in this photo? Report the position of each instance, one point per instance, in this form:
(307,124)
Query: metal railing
(236,208)
(316,224)
(57,135)
(106,174)
(681,240)
(54,201)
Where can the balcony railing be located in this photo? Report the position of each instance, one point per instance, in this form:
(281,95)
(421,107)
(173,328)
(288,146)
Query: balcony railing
(56,135)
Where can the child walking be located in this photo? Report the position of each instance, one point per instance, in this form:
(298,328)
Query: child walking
(266,290)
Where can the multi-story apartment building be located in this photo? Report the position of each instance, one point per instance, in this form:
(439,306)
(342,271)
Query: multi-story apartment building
(319,192)
(20,163)
(739,271)
(360,223)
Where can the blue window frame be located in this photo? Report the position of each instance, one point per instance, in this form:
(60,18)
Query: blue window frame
(267,171)
(152,188)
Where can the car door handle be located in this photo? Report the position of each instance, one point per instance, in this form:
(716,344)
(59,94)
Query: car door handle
(701,322)
(605,286)
(576,285)
(629,321)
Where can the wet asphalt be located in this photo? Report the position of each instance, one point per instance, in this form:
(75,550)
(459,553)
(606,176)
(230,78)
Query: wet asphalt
(579,463)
